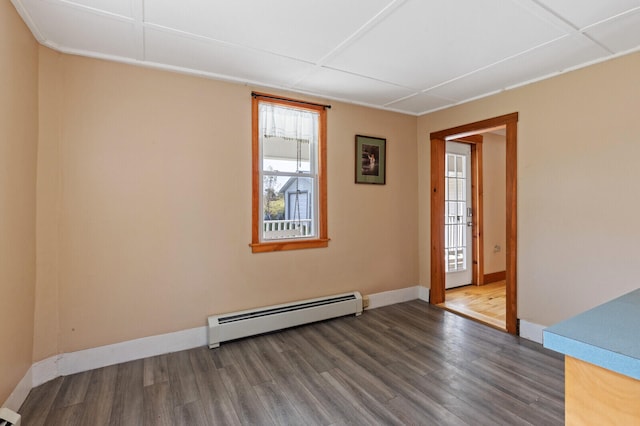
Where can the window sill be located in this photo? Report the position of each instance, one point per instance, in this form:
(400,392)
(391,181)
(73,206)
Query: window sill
(288,245)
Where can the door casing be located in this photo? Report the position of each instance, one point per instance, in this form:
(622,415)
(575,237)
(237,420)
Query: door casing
(438,148)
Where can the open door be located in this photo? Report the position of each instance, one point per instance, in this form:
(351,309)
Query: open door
(438,206)
(464,254)
(458,225)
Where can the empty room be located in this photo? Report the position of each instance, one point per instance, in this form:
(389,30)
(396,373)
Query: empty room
(265,212)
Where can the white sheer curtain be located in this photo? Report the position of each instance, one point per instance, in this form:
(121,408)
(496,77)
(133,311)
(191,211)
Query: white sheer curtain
(277,121)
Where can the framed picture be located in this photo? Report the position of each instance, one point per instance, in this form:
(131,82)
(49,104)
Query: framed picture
(371,160)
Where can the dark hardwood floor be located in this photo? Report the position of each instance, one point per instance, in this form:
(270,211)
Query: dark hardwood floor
(409,363)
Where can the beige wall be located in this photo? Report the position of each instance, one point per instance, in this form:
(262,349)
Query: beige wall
(494,201)
(578,150)
(144,221)
(143,199)
(46,318)
(18,145)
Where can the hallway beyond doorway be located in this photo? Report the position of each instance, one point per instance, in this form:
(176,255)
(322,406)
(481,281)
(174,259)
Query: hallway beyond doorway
(485,303)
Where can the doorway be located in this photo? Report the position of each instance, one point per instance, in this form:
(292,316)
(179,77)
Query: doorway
(439,207)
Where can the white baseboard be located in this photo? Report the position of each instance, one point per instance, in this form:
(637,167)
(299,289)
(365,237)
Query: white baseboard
(392,297)
(531,331)
(89,359)
(45,370)
(423,293)
(20,393)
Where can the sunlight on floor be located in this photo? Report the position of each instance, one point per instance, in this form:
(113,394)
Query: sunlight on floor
(486,303)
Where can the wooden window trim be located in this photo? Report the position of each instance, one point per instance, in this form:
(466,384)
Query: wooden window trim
(322,240)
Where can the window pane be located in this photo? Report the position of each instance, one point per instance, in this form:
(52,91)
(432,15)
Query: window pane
(273,200)
(451,190)
(462,193)
(289,211)
(459,166)
(288,137)
(451,165)
(286,155)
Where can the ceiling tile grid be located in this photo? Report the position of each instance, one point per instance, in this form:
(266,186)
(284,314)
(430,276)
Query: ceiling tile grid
(421,102)
(341,85)
(412,56)
(433,41)
(582,14)
(221,60)
(65,26)
(116,7)
(619,35)
(306,30)
(550,59)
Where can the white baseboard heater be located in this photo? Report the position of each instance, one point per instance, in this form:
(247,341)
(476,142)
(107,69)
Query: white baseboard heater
(236,325)
(9,418)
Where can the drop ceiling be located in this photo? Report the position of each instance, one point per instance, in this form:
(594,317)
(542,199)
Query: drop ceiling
(411,56)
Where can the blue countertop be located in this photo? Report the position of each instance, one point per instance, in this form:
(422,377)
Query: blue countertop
(607,335)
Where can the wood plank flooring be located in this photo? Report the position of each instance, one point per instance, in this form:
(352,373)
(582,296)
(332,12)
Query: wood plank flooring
(485,303)
(409,363)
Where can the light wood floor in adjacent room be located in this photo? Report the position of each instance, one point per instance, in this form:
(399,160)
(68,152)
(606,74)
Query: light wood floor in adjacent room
(485,303)
(409,363)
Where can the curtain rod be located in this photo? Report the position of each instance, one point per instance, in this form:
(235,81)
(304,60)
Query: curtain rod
(277,98)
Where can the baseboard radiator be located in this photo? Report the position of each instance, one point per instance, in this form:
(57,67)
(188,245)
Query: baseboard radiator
(236,325)
(9,418)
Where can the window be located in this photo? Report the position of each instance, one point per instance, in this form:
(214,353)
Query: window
(289,174)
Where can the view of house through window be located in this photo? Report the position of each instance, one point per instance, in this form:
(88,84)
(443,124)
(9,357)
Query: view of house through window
(288,141)
(288,185)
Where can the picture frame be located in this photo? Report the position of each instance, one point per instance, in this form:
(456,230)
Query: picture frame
(371,160)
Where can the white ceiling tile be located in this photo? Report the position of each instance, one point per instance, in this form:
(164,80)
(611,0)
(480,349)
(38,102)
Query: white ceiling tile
(425,43)
(583,13)
(619,35)
(307,30)
(164,47)
(340,85)
(74,29)
(548,60)
(373,52)
(421,103)
(118,7)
